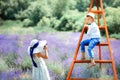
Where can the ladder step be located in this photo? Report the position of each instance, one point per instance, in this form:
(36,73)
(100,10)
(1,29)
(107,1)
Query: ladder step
(96,11)
(102,27)
(91,79)
(96,61)
(101,44)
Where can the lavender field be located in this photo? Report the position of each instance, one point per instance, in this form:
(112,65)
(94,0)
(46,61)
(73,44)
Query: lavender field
(15,63)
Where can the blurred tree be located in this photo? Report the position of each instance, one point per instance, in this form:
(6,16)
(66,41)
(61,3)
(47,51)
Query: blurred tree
(36,11)
(116,3)
(27,23)
(59,8)
(82,5)
(71,21)
(8,8)
(72,4)
(112,3)
(44,22)
(113,20)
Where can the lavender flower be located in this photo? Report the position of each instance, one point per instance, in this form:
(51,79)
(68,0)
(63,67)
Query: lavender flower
(61,47)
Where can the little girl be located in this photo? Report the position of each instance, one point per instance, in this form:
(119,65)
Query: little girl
(38,51)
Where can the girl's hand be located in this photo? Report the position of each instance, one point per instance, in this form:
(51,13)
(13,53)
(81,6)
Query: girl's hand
(46,52)
(45,47)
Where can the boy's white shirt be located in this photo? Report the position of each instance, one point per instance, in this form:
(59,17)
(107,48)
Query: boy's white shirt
(93,31)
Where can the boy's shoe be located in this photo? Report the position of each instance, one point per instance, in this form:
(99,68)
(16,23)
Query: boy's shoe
(91,65)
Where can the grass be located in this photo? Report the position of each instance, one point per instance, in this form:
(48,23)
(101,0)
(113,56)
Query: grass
(3,65)
(16,27)
(25,76)
(115,35)
(56,68)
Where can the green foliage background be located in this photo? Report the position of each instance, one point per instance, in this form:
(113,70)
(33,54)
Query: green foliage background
(61,15)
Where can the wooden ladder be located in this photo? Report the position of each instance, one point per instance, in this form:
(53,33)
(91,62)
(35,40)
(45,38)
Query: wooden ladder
(99,11)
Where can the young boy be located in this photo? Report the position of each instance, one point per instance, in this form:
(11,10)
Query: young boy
(94,38)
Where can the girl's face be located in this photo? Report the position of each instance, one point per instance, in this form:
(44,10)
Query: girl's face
(89,20)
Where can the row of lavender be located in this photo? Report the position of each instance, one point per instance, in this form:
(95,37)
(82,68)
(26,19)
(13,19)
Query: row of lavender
(15,61)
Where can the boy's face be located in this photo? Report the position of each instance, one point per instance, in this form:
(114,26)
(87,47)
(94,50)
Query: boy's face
(89,20)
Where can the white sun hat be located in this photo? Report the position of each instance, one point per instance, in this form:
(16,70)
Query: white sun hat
(91,15)
(40,47)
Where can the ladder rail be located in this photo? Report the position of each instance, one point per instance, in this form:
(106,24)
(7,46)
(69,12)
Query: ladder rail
(107,35)
(113,63)
(91,3)
(98,15)
(100,55)
(75,54)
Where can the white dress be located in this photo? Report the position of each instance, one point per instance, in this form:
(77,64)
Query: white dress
(40,72)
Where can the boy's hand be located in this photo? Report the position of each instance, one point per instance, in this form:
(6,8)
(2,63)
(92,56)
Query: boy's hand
(85,25)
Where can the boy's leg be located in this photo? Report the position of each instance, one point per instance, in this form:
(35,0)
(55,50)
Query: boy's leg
(82,47)
(91,45)
(83,56)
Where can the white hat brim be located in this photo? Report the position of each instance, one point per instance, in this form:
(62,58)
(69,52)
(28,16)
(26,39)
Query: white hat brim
(40,47)
(91,15)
